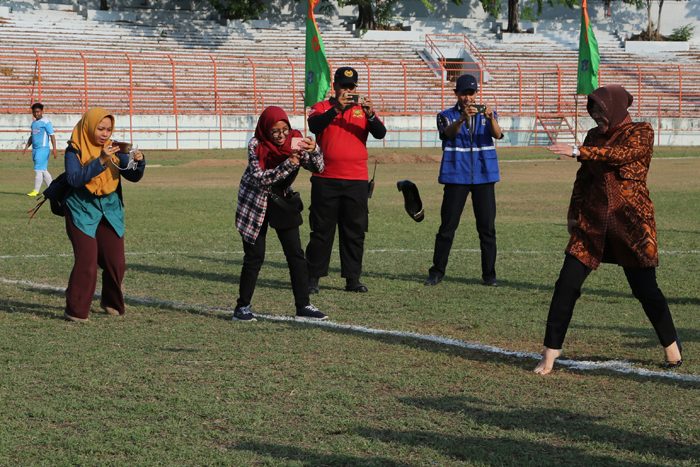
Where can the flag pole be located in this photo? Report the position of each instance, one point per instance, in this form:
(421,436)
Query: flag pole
(576,120)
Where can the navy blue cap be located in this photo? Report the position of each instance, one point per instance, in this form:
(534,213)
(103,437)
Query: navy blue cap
(465,82)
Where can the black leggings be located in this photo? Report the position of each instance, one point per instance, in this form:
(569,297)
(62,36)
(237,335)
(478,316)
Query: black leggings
(255,256)
(568,289)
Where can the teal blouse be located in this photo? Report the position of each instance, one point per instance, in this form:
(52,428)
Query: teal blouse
(88,210)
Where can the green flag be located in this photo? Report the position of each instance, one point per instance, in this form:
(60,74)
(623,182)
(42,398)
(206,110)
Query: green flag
(317,78)
(588,56)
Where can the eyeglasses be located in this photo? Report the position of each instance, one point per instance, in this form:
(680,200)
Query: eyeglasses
(284,131)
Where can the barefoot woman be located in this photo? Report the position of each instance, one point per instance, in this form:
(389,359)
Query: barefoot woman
(611,220)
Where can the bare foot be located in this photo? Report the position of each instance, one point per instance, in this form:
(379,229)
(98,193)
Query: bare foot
(547,362)
(672,353)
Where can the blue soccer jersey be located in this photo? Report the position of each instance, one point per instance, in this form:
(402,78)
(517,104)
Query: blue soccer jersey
(41,130)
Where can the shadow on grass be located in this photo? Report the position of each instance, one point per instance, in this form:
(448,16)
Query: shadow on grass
(407,277)
(37,309)
(306,457)
(641,337)
(215,277)
(24,195)
(569,427)
(520,285)
(489,451)
(476,355)
(476,450)
(156,305)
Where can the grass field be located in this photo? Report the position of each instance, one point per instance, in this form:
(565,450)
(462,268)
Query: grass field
(185,385)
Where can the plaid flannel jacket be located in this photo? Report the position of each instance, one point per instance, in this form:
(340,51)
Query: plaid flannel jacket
(255,187)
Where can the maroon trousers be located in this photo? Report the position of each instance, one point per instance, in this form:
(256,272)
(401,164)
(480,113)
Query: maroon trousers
(106,250)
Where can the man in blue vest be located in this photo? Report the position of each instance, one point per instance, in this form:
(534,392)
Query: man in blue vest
(469,165)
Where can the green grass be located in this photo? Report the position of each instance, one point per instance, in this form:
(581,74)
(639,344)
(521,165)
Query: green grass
(173,385)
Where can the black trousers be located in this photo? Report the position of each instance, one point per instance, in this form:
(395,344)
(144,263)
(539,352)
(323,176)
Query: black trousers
(254,256)
(484,205)
(568,289)
(342,203)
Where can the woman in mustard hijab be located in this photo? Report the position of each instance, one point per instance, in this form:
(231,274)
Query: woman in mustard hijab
(94,214)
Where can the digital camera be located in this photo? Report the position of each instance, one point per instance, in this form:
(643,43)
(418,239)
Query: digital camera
(124,148)
(355,98)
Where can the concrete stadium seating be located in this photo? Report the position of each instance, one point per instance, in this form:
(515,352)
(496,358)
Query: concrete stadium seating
(259,61)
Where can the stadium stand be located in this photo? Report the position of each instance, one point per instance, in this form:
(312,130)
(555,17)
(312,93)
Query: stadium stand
(184,62)
(67,34)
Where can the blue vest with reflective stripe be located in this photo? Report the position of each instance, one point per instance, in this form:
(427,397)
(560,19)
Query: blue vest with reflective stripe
(467,159)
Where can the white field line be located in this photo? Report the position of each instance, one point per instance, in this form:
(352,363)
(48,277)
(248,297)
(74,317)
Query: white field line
(619,366)
(384,250)
(658,159)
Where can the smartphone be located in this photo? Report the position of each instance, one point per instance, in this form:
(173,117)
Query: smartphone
(296,144)
(479,108)
(124,148)
(355,98)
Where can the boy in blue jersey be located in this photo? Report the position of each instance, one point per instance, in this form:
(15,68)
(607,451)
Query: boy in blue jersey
(469,165)
(42,130)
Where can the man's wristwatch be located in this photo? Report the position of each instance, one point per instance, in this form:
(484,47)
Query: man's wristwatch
(575,153)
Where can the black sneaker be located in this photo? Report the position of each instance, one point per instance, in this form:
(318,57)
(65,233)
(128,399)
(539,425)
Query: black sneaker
(311,312)
(313,285)
(243,313)
(354,285)
(490,283)
(432,280)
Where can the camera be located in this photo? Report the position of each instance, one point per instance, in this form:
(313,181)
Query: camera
(480,108)
(124,148)
(355,98)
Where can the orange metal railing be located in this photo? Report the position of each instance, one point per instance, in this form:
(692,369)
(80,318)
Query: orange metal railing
(183,84)
(433,42)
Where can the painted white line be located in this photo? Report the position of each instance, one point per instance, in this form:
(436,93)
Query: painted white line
(619,366)
(137,253)
(33,284)
(384,250)
(656,159)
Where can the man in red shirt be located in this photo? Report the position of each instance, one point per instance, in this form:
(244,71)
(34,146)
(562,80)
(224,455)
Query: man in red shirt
(339,194)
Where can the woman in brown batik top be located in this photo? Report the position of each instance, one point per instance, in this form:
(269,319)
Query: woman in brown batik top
(611,220)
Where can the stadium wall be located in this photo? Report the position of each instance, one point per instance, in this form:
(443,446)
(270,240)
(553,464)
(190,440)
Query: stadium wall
(202,131)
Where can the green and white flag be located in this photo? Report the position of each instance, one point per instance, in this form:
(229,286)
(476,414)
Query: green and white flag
(317,77)
(588,56)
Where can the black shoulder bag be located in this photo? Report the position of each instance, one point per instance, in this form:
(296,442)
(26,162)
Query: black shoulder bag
(55,194)
(284,210)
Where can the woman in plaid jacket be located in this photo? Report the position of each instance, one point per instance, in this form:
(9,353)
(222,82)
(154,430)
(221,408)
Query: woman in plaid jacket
(265,198)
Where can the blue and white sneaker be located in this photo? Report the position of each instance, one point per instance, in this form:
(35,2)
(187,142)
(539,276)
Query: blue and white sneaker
(311,312)
(243,313)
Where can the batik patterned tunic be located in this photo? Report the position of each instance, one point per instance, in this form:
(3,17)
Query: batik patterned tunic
(610,199)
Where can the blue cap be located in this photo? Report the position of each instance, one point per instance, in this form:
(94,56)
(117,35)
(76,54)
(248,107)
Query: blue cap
(465,82)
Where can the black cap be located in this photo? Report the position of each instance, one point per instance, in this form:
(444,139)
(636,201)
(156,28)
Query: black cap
(465,82)
(345,75)
(411,199)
